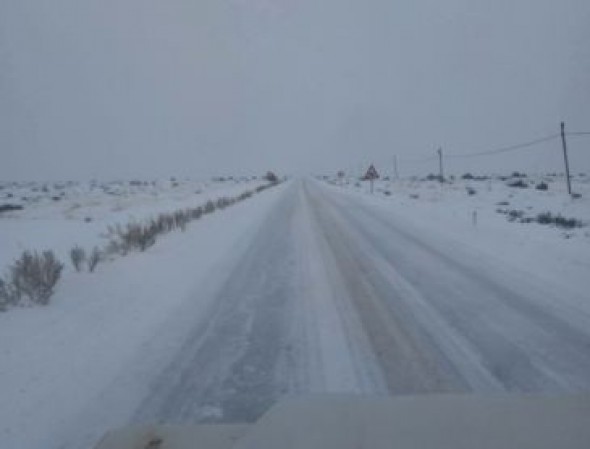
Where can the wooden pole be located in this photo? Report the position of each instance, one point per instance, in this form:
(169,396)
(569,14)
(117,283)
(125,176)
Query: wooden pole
(440,163)
(567,165)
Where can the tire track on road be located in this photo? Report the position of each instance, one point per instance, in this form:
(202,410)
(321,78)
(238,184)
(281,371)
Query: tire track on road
(408,363)
(504,339)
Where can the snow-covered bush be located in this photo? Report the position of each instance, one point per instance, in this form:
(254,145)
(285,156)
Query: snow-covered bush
(181,219)
(94,259)
(115,246)
(271,177)
(209,207)
(4,295)
(245,195)
(519,184)
(196,213)
(34,277)
(542,186)
(223,202)
(137,236)
(558,220)
(78,256)
(10,207)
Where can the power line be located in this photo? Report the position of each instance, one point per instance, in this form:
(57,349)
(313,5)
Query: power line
(515,147)
(420,160)
(518,146)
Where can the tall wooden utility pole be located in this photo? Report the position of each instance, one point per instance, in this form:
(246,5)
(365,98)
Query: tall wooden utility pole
(440,164)
(567,165)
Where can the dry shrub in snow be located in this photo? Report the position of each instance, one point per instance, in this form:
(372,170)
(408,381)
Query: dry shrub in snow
(247,194)
(33,277)
(519,184)
(137,236)
(542,186)
(78,256)
(4,295)
(196,213)
(93,259)
(223,202)
(181,219)
(271,177)
(558,220)
(209,207)
(115,246)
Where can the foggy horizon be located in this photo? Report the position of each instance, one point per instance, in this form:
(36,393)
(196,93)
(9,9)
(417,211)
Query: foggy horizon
(143,89)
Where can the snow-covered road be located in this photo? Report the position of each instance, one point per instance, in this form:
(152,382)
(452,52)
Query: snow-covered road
(334,296)
(332,293)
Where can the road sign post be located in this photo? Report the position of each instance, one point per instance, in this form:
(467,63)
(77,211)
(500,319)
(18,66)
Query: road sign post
(371,175)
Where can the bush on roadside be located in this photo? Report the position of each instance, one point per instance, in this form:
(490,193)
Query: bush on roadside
(271,177)
(33,277)
(4,296)
(136,236)
(10,207)
(247,194)
(542,186)
(519,184)
(78,256)
(515,214)
(558,220)
(94,259)
(209,207)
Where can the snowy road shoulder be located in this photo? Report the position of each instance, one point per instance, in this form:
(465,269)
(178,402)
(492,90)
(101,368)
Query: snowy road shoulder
(57,360)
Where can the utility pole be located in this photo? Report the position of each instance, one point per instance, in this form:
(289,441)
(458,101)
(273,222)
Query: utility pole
(440,164)
(395,172)
(567,165)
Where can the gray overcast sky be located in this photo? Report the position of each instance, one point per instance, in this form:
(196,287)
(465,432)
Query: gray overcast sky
(120,88)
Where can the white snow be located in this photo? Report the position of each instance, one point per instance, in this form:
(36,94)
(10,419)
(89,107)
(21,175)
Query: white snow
(104,335)
(84,211)
(545,251)
(56,360)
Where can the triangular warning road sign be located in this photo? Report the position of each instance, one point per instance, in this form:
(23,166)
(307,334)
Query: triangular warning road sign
(371,173)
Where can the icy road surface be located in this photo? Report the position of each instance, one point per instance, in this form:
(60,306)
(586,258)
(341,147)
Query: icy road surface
(335,294)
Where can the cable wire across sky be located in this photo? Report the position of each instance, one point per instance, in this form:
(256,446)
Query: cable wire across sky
(506,149)
(518,146)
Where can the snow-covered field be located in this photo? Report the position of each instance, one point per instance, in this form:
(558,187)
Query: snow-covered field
(58,216)
(56,360)
(478,212)
(308,287)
